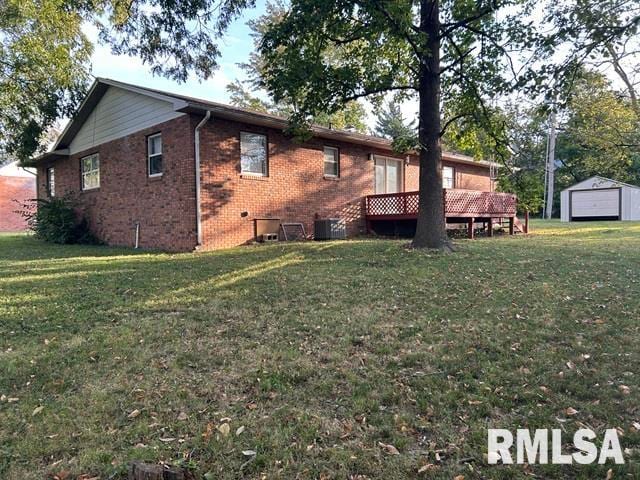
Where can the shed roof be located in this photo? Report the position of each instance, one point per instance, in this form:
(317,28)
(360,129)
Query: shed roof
(597,182)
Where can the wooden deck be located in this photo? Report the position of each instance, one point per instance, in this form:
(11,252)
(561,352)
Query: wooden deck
(460,206)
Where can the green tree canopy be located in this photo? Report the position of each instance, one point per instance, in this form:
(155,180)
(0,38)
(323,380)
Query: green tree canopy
(45,56)
(251,93)
(390,121)
(43,74)
(600,134)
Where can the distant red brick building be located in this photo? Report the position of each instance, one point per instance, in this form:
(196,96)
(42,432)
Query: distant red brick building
(131,154)
(17,186)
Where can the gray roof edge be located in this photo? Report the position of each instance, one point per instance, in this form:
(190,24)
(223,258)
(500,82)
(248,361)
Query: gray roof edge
(601,178)
(186,104)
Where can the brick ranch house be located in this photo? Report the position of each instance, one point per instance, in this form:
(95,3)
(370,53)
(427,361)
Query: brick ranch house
(188,173)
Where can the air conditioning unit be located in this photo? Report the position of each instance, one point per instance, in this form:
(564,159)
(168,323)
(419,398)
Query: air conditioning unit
(329,229)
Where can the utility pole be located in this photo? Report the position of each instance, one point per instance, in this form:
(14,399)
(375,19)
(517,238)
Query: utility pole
(551,165)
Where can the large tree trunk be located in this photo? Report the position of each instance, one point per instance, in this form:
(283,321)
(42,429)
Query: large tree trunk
(430,229)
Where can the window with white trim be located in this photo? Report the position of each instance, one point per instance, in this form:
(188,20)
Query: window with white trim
(51,182)
(90,169)
(331,162)
(448,177)
(253,154)
(154,155)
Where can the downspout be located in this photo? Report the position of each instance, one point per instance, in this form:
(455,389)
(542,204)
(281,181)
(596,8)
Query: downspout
(197,166)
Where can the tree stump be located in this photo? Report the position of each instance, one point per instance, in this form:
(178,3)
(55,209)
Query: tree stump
(145,471)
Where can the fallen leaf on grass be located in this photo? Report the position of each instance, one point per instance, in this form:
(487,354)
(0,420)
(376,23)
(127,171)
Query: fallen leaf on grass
(182,416)
(624,389)
(249,453)
(167,440)
(37,410)
(390,449)
(62,475)
(571,411)
(609,474)
(459,477)
(239,430)
(134,414)
(427,467)
(636,425)
(224,429)
(209,431)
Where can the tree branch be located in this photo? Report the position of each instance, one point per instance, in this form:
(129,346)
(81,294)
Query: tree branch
(375,91)
(449,28)
(450,121)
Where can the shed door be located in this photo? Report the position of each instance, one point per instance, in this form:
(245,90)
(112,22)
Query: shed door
(600,204)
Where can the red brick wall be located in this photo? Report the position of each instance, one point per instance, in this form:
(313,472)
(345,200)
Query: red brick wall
(21,189)
(294,191)
(471,177)
(164,206)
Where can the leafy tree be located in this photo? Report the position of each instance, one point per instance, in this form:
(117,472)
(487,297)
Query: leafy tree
(416,49)
(251,93)
(600,134)
(484,137)
(43,58)
(527,185)
(602,34)
(391,124)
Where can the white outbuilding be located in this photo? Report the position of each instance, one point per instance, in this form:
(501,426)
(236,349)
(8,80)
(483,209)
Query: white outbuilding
(599,198)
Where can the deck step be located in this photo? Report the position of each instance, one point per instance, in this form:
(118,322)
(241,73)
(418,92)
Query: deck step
(519,226)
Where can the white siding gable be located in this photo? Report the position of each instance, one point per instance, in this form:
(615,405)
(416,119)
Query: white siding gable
(120,113)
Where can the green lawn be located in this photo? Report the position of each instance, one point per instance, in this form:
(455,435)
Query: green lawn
(313,354)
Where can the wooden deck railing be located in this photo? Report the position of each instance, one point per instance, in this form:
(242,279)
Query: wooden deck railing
(457,203)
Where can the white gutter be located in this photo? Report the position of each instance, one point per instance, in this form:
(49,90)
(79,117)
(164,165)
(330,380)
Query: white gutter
(197,166)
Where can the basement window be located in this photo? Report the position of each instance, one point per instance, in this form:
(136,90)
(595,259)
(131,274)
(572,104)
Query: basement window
(448,177)
(331,162)
(154,155)
(51,182)
(90,167)
(253,154)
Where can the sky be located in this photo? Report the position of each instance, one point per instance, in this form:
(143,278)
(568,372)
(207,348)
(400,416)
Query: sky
(235,48)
